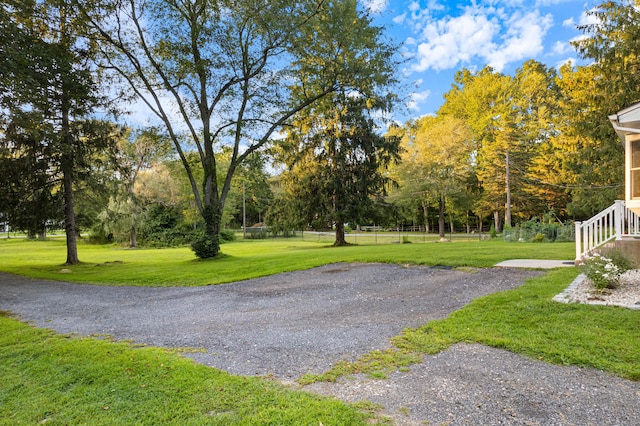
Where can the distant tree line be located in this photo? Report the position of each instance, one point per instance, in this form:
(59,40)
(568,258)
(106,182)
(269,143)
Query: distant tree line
(273,112)
(537,144)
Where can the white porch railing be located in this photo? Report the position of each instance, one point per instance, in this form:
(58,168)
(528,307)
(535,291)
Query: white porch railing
(615,222)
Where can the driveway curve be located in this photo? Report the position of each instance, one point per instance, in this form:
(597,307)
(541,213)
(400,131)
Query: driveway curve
(284,325)
(304,322)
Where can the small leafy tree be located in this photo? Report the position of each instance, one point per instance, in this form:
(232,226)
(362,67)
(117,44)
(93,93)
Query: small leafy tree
(137,153)
(436,163)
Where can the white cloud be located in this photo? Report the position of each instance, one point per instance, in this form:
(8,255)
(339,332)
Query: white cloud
(400,19)
(551,2)
(414,6)
(569,23)
(375,6)
(498,36)
(416,98)
(454,40)
(586,19)
(560,64)
(561,48)
(579,38)
(523,39)
(434,5)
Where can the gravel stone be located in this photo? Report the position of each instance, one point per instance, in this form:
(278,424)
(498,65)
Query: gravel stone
(304,322)
(471,384)
(626,294)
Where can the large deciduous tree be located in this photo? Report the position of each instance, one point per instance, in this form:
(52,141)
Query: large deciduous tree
(583,162)
(592,156)
(510,119)
(484,100)
(612,41)
(436,167)
(225,71)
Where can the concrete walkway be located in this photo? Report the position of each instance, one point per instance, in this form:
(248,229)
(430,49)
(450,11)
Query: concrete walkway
(536,263)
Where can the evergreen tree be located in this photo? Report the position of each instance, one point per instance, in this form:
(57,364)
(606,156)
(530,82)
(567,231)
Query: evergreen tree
(45,73)
(336,165)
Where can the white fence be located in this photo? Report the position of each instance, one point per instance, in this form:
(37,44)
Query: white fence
(613,223)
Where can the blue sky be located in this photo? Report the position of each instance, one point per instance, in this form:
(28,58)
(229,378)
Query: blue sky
(441,37)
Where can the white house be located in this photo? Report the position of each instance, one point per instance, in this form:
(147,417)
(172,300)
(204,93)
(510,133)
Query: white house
(627,125)
(619,225)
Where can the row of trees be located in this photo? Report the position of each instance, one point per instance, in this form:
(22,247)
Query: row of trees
(226,81)
(221,77)
(517,147)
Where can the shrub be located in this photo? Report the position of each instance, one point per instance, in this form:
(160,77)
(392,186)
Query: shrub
(535,231)
(604,272)
(260,233)
(228,235)
(538,238)
(205,247)
(624,264)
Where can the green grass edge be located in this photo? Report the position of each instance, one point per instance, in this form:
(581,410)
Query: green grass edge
(62,379)
(524,320)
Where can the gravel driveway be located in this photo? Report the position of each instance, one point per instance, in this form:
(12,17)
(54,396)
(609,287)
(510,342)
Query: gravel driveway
(290,324)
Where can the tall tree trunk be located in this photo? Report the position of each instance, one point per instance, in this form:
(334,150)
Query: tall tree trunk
(425,212)
(208,246)
(133,232)
(67,159)
(69,216)
(134,237)
(497,222)
(340,240)
(441,208)
(66,163)
(507,209)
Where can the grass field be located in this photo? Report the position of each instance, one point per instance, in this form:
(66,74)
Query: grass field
(247,259)
(57,379)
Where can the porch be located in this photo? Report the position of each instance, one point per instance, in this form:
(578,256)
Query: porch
(617,224)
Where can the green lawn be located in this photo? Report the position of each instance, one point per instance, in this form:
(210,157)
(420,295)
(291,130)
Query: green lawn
(57,379)
(247,259)
(60,380)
